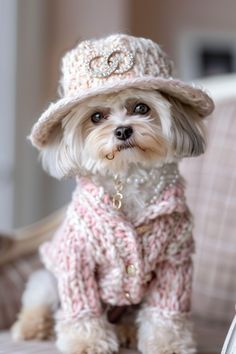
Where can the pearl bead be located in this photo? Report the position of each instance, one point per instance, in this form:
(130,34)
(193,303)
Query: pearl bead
(131,270)
(156,180)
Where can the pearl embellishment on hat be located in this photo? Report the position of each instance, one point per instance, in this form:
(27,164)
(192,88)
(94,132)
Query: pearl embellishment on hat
(105,63)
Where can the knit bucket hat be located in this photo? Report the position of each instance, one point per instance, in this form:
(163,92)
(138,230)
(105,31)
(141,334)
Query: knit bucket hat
(110,65)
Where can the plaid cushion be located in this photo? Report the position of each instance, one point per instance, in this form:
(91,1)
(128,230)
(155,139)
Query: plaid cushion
(9,347)
(211,194)
(13,277)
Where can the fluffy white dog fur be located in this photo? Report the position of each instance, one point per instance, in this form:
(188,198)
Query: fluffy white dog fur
(167,132)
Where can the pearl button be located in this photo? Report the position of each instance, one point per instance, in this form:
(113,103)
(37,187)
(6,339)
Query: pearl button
(127,295)
(131,270)
(148,277)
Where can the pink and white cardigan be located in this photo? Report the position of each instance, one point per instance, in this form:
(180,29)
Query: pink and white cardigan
(99,257)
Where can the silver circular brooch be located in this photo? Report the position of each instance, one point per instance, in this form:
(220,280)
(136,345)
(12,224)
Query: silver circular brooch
(105,63)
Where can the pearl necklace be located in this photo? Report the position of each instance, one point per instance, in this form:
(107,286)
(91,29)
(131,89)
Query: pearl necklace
(154,180)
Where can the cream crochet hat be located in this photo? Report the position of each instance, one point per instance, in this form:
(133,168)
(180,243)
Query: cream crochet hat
(110,65)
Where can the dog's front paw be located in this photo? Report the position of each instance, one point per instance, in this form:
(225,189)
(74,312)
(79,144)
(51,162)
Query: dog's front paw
(166,341)
(33,323)
(164,334)
(88,336)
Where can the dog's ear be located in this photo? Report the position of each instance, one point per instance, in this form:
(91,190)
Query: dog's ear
(187,130)
(61,156)
(50,154)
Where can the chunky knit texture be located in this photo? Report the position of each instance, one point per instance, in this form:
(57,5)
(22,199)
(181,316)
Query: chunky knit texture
(92,253)
(109,65)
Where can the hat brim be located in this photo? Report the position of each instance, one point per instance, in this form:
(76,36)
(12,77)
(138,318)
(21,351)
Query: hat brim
(186,93)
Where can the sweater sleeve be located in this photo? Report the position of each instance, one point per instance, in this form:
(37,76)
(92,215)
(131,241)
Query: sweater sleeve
(170,291)
(67,257)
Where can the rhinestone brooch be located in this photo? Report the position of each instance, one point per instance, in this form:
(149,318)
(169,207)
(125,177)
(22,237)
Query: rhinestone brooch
(105,63)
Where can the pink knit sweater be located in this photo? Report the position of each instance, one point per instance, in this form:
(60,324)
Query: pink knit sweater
(99,256)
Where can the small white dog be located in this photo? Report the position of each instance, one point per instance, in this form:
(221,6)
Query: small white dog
(121,129)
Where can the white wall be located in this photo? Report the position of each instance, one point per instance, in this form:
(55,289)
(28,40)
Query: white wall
(23,44)
(8,32)
(31,96)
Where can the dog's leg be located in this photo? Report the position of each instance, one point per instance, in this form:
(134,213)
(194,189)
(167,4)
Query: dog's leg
(39,301)
(164,325)
(87,336)
(164,333)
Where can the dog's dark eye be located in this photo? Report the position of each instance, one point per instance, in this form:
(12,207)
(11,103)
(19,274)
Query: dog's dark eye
(97,117)
(141,108)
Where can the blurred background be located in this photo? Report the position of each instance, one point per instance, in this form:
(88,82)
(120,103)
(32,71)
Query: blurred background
(199,35)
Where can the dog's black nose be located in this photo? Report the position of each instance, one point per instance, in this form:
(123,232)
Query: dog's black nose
(123,133)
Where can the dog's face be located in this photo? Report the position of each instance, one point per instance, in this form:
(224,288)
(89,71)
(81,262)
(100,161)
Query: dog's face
(124,129)
(110,133)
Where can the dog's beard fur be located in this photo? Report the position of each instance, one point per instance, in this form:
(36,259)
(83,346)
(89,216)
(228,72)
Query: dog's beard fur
(167,131)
